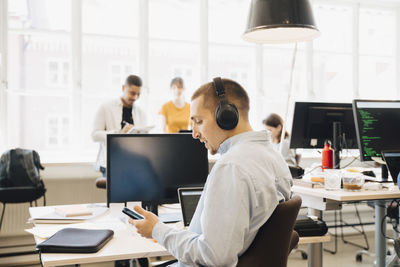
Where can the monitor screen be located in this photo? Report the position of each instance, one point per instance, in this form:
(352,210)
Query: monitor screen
(151,167)
(189,197)
(313,124)
(392,159)
(378,126)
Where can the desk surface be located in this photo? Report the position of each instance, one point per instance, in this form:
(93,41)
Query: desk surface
(126,243)
(342,195)
(314,239)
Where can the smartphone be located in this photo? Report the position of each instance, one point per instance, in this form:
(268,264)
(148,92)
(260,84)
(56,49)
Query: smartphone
(132,214)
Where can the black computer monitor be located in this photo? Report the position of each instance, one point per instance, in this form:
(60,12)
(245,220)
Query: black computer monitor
(151,167)
(377,125)
(313,124)
(392,160)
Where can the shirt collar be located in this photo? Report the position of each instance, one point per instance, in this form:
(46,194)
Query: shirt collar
(252,136)
(119,103)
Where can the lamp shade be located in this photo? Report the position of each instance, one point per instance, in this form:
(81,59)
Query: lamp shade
(280,21)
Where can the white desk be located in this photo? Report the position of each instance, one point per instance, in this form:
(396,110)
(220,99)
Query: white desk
(126,243)
(319,200)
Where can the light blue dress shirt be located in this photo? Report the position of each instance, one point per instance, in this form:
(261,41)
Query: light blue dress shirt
(242,190)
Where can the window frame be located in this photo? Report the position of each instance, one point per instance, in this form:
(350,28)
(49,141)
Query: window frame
(76,36)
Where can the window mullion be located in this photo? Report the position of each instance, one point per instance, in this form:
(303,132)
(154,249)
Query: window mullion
(144,51)
(203,41)
(76,69)
(397,52)
(3,73)
(310,94)
(356,51)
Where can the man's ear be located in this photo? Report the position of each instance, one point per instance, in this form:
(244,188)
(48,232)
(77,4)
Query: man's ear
(279,127)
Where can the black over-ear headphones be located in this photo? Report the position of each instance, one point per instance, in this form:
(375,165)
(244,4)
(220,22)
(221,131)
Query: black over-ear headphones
(226,114)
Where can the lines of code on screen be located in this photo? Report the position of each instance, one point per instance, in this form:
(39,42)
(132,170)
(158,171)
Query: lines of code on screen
(379,127)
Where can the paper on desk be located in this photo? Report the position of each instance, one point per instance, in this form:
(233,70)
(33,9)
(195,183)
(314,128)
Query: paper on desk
(45,232)
(54,217)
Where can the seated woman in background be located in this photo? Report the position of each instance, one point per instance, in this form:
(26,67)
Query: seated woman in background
(174,115)
(274,123)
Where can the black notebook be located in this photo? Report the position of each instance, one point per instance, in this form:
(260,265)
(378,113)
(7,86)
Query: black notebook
(73,240)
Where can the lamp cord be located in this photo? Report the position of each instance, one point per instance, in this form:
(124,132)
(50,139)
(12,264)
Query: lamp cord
(288,97)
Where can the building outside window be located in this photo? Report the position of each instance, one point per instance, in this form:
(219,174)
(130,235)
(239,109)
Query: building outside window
(58,73)
(57,132)
(356,56)
(119,72)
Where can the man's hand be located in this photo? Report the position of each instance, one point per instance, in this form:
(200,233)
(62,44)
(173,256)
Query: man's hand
(126,128)
(144,227)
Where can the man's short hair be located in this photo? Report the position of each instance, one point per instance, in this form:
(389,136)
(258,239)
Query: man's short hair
(234,93)
(133,80)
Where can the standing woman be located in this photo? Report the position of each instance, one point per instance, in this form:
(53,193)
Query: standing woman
(274,123)
(174,115)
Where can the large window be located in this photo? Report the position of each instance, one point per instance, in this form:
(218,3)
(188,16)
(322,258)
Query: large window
(39,75)
(229,55)
(59,69)
(333,71)
(174,48)
(109,54)
(377,53)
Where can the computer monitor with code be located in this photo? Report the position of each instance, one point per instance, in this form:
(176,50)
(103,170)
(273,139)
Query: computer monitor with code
(151,167)
(377,126)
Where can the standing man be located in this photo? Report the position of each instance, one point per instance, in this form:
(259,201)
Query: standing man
(242,190)
(117,116)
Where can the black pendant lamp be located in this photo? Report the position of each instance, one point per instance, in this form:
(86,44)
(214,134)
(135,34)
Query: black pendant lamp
(280,21)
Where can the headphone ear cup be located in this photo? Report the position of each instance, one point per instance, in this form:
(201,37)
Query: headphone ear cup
(227,116)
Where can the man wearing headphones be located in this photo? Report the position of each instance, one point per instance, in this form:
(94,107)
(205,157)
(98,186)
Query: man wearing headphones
(242,190)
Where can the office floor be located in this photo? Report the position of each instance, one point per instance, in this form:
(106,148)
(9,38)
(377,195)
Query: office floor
(344,258)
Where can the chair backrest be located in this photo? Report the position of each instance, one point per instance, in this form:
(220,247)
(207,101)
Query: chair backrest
(275,238)
(20,168)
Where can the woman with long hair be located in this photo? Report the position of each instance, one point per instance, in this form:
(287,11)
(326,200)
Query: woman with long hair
(274,123)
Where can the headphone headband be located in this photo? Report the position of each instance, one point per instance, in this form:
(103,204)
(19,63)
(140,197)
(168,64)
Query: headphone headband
(219,87)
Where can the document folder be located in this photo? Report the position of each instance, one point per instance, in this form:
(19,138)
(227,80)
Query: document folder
(74,240)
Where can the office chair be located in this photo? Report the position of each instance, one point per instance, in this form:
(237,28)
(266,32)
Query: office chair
(20,178)
(21,194)
(275,239)
(101,182)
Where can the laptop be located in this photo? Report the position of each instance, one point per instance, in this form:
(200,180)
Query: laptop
(392,159)
(188,198)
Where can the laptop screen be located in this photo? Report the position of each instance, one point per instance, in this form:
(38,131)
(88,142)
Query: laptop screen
(392,159)
(189,197)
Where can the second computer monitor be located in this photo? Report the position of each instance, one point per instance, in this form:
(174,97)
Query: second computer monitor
(313,124)
(378,126)
(151,167)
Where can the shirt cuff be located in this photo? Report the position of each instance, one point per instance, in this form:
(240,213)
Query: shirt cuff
(159,232)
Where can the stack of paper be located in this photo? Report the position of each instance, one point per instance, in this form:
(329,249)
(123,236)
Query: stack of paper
(53,215)
(73,210)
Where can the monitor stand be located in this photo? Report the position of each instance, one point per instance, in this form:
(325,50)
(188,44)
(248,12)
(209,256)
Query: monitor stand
(150,206)
(168,217)
(384,171)
(337,143)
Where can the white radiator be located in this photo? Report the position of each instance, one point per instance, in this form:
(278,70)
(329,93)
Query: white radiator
(65,184)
